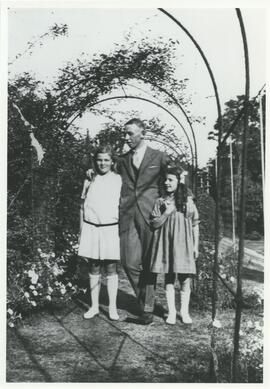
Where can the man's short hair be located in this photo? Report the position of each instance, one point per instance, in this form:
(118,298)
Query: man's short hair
(138,123)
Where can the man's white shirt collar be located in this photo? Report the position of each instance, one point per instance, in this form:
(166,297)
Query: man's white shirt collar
(138,154)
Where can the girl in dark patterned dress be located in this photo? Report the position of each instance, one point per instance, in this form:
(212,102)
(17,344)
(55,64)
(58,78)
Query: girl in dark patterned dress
(175,242)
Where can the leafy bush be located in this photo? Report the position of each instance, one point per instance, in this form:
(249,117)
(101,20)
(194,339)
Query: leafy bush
(206,208)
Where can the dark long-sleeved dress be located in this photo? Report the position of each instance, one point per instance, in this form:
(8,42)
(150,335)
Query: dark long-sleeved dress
(172,247)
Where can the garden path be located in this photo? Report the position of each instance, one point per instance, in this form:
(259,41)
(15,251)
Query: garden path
(60,346)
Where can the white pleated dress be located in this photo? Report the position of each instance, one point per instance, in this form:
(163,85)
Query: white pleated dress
(99,238)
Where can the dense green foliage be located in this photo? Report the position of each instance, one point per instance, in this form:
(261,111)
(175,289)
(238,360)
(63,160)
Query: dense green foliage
(254,203)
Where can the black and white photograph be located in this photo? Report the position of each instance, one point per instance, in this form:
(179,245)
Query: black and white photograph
(134,200)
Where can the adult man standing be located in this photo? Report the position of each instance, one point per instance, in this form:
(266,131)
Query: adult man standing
(140,169)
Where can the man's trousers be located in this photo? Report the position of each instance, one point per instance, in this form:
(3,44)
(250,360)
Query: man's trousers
(135,244)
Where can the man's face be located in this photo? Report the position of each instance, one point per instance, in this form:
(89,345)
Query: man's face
(133,136)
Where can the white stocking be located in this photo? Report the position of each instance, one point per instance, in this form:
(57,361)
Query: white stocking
(170,295)
(185,296)
(112,287)
(94,280)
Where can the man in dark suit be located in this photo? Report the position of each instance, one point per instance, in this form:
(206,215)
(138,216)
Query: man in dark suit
(140,169)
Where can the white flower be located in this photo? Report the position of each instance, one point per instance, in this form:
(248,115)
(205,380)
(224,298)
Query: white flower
(249,324)
(31,273)
(39,250)
(50,290)
(31,287)
(69,284)
(26,294)
(35,293)
(34,279)
(55,271)
(63,290)
(43,255)
(48,297)
(223,276)
(241,333)
(232,279)
(10,311)
(34,303)
(11,325)
(216,323)
(53,255)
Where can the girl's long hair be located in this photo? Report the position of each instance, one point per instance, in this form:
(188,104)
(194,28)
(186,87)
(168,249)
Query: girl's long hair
(181,193)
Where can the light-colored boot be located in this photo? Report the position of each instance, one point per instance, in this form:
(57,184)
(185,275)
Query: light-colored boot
(94,290)
(170,295)
(184,297)
(112,287)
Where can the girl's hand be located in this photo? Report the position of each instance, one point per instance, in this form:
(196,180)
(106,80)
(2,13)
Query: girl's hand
(196,253)
(169,208)
(90,174)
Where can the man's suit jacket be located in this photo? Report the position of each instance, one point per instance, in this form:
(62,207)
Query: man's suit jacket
(142,189)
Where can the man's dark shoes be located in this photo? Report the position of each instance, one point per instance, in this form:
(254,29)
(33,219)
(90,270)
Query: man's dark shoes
(144,319)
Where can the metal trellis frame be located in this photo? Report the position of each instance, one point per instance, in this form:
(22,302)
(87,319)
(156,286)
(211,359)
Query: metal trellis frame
(87,105)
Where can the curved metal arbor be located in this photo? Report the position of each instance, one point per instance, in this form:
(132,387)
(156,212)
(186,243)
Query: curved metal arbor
(243,183)
(136,98)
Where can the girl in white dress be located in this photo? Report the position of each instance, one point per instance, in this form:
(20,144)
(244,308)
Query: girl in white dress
(99,237)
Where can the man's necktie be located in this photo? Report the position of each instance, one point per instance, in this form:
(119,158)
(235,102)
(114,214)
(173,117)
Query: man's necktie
(136,160)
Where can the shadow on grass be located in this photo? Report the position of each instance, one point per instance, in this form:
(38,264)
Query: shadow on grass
(29,348)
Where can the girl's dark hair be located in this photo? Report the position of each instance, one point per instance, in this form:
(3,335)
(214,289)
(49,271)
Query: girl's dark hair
(181,193)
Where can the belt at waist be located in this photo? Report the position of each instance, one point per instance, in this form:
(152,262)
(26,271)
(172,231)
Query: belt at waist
(101,225)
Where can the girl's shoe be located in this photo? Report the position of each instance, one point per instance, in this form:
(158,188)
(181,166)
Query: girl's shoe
(186,319)
(91,313)
(113,315)
(171,319)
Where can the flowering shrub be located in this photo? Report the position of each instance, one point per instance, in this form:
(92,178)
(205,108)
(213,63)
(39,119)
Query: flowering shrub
(40,282)
(251,353)
(251,344)
(204,284)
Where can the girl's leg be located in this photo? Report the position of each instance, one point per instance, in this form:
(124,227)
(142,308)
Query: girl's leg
(94,279)
(185,281)
(170,296)
(112,287)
